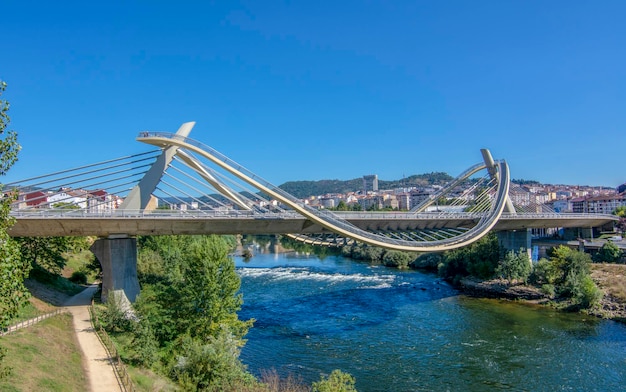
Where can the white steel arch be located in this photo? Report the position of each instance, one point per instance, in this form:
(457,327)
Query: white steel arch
(499,170)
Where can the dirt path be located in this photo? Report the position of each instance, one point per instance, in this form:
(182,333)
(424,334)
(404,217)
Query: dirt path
(96,360)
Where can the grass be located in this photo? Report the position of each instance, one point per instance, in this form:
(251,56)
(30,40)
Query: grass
(611,278)
(146,380)
(79,262)
(44,357)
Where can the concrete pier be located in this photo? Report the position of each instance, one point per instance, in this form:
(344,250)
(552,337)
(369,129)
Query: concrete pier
(118,258)
(515,240)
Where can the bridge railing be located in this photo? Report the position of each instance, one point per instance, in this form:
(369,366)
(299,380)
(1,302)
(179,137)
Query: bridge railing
(240,214)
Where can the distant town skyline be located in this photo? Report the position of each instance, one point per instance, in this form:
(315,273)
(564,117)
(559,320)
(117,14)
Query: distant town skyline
(325,90)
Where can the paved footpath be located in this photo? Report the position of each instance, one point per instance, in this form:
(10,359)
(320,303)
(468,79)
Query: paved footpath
(96,360)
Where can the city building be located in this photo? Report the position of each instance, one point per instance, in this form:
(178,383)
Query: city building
(370,183)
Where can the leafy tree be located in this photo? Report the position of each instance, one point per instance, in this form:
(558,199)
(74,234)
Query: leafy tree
(514,266)
(621,213)
(608,253)
(211,365)
(341,206)
(545,272)
(210,286)
(586,293)
(479,259)
(398,259)
(47,254)
(13,293)
(338,381)
(569,272)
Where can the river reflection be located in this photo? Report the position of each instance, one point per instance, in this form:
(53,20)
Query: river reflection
(409,331)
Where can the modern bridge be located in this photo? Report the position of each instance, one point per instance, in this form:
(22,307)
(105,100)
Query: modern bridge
(208,193)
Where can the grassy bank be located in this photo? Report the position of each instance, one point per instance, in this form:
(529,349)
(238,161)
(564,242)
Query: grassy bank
(44,357)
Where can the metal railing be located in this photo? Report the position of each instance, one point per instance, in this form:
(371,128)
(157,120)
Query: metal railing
(30,322)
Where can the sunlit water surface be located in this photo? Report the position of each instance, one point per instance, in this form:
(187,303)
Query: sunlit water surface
(410,331)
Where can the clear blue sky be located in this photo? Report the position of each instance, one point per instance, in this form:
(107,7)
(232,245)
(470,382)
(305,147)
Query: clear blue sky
(309,90)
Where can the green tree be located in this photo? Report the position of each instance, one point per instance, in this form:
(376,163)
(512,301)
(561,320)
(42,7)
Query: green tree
(338,381)
(47,255)
(479,259)
(341,206)
(189,306)
(545,272)
(210,286)
(210,365)
(608,253)
(398,259)
(514,266)
(13,293)
(572,278)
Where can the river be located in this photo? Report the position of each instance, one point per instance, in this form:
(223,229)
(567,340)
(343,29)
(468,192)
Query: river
(410,331)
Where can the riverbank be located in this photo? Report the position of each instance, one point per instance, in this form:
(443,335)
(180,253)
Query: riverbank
(610,278)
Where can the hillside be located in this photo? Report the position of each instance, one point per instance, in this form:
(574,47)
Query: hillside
(303,189)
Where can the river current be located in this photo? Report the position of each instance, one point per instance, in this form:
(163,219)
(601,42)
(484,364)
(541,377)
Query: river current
(410,331)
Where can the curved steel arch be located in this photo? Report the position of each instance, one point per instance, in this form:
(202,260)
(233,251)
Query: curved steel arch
(331,221)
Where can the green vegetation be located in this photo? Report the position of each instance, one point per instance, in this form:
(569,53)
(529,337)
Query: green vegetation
(13,270)
(48,255)
(515,266)
(185,324)
(45,357)
(479,259)
(373,254)
(567,274)
(608,253)
(621,212)
(304,189)
(336,382)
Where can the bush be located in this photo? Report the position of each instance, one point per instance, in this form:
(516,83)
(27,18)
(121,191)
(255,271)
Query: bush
(479,259)
(338,381)
(586,293)
(145,344)
(114,318)
(514,266)
(429,261)
(608,253)
(209,366)
(78,277)
(549,290)
(397,259)
(544,273)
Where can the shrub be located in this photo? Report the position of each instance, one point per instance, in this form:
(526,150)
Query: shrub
(145,344)
(78,277)
(338,381)
(608,253)
(114,318)
(549,290)
(479,259)
(514,266)
(209,366)
(429,261)
(586,293)
(544,273)
(397,259)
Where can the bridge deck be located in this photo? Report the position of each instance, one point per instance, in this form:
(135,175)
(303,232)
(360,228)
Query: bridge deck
(139,223)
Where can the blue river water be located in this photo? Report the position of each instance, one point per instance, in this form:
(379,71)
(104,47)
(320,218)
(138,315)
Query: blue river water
(410,331)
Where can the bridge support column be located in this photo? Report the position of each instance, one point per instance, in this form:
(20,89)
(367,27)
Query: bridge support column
(118,258)
(515,240)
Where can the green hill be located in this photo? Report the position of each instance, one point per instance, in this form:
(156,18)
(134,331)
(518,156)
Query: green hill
(303,189)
